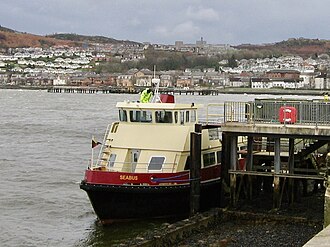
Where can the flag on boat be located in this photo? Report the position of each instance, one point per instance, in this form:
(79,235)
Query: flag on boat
(95,143)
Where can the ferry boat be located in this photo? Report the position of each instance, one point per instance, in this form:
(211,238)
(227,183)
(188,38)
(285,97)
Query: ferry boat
(142,170)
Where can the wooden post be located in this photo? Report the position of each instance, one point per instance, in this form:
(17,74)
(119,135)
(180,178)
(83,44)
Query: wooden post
(327,205)
(327,198)
(233,167)
(233,197)
(277,166)
(195,168)
(249,165)
(291,171)
(225,178)
(249,157)
(225,160)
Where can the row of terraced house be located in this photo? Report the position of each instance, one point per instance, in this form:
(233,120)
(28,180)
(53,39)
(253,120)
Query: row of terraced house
(279,78)
(282,72)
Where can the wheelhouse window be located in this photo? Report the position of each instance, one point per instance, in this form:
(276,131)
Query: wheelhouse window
(156,163)
(176,117)
(188,116)
(140,116)
(122,115)
(209,159)
(181,117)
(164,117)
(146,116)
(193,116)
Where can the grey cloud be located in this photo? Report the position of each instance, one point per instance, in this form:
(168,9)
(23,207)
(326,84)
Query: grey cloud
(202,14)
(158,21)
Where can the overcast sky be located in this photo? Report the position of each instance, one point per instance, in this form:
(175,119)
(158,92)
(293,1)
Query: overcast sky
(165,21)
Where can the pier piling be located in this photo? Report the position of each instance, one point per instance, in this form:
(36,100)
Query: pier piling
(327,197)
(195,154)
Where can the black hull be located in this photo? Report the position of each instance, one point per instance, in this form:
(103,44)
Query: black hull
(121,202)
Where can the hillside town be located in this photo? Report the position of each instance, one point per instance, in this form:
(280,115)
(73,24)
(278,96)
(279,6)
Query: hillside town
(75,66)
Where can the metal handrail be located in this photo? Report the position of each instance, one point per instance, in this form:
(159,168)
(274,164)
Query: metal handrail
(216,117)
(103,145)
(144,169)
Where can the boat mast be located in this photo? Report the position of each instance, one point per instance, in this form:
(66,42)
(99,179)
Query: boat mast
(155,84)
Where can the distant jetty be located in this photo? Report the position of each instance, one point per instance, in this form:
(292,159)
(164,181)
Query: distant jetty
(116,90)
(190,91)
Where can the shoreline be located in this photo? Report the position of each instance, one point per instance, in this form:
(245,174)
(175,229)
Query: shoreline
(252,223)
(204,91)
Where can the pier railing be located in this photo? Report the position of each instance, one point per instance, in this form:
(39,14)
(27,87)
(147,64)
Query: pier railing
(214,114)
(278,112)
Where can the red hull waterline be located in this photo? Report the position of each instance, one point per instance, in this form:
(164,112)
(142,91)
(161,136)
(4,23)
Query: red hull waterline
(117,196)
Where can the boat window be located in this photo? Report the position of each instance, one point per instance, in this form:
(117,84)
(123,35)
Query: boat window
(187,165)
(182,117)
(164,117)
(135,116)
(156,163)
(193,116)
(140,116)
(122,115)
(219,154)
(214,134)
(112,160)
(187,116)
(209,159)
(135,153)
(146,116)
(135,157)
(176,117)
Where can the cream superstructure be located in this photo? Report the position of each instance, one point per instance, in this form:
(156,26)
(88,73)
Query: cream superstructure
(154,137)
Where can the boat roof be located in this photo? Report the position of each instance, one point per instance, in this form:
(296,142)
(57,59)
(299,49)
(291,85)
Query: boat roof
(156,106)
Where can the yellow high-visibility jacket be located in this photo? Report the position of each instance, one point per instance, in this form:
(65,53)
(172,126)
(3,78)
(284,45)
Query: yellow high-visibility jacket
(145,96)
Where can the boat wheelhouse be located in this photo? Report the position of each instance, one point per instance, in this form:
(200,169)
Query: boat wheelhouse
(142,169)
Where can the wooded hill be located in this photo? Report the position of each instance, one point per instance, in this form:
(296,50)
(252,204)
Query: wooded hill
(90,39)
(301,47)
(13,39)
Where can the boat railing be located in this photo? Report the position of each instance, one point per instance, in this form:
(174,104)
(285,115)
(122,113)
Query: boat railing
(103,146)
(140,167)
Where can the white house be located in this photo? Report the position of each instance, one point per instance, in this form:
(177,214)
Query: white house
(59,82)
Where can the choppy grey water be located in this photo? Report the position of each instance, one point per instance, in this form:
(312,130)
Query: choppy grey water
(45,147)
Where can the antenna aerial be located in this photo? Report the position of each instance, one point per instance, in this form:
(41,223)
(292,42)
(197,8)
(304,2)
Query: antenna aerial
(155,83)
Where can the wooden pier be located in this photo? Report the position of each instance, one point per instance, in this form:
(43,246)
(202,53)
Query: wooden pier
(274,147)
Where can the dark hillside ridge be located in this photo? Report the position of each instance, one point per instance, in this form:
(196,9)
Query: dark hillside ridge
(93,39)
